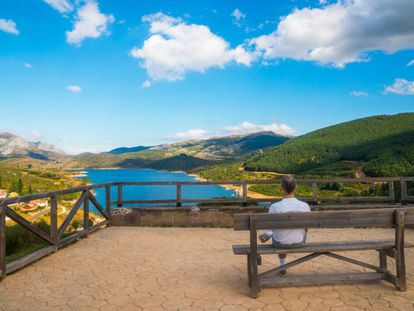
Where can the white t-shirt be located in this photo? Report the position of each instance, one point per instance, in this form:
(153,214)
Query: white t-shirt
(289,236)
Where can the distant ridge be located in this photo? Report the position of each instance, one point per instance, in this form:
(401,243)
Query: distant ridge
(122,150)
(184,155)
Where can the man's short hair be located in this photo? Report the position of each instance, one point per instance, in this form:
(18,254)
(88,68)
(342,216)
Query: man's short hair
(288,184)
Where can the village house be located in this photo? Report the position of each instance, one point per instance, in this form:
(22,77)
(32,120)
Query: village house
(33,206)
(3,194)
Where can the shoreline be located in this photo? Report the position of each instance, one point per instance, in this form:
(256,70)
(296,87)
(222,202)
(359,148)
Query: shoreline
(237,189)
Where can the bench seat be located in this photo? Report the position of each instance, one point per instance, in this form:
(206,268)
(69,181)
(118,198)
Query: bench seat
(320,247)
(396,218)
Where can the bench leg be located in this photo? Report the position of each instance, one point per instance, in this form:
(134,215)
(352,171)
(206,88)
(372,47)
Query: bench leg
(399,254)
(249,274)
(254,282)
(259,260)
(401,274)
(383,260)
(253,257)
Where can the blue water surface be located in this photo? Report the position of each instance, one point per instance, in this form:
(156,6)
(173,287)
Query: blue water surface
(98,176)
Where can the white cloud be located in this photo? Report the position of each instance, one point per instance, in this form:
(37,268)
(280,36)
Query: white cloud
(90,23)
(175,48)
(341,33)
(401,87)
(146,84)
(238,17)
(239,129)
(248,127)
(9,26)
(62,6)
(36,134)
(359,93)
(411,63)
(74,88)
(193,134)
(27,65)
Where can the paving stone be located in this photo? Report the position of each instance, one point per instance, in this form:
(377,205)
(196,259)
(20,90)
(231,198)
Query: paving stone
(192,269)
(294,305)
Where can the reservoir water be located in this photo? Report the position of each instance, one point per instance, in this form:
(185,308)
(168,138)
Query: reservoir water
(98,176)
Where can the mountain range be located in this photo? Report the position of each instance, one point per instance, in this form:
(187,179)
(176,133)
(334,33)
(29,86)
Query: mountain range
(14,146)
(374,146)
(177,156)
(183,155)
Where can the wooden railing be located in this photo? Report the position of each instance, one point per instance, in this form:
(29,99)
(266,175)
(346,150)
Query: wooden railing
(244,198)
(56,238)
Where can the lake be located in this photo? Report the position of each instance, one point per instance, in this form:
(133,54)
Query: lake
(152,192)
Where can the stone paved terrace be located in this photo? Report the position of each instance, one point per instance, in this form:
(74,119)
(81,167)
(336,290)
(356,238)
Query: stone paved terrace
(135,268)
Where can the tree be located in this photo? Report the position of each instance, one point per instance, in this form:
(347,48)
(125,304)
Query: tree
(20,186)
(13,186)
(1,182)
(30,190)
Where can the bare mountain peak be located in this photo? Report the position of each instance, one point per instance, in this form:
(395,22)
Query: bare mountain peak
(12,145)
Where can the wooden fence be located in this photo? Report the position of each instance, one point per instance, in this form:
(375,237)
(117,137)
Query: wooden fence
(56,238)
(315,199)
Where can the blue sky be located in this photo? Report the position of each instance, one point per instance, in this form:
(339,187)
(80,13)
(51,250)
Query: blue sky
(93,75)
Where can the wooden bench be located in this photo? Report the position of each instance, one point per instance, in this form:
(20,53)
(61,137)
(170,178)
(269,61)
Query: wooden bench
(380,218)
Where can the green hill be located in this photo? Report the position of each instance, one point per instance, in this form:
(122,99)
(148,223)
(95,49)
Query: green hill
(181,162)
(377,146)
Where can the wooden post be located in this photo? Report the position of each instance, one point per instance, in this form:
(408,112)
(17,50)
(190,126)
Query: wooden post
(108,200)
(179,196)
(253,257)
(391,191)
(2,242)
(119,195)
(403,192)
(86,214)
(54,219)
(399,246)
(315,193)
(245,191)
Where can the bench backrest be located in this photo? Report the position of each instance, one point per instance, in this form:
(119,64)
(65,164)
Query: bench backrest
(379,218)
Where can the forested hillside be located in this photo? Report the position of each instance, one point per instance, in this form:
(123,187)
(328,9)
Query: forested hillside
(181,162)
(378,146)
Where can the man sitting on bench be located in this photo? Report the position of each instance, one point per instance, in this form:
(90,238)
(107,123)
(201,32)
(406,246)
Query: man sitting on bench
(287,238)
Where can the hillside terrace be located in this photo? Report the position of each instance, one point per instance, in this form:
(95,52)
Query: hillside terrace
(124,265)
